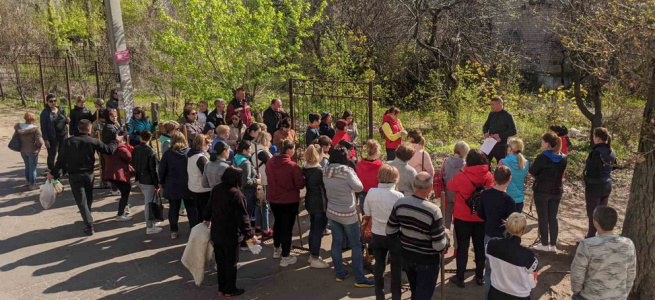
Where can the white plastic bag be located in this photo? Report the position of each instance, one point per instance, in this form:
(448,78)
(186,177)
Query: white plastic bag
(198,252)
(48,194)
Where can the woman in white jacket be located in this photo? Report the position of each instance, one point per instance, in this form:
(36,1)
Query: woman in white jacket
(378,205)
(259,158)
(196,161)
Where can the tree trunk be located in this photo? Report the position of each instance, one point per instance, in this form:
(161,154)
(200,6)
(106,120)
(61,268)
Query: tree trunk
(593,96)
(639,224)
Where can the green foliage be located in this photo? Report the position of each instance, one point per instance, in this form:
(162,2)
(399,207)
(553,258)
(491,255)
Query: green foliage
(67,22)
(343,55)
(212,47)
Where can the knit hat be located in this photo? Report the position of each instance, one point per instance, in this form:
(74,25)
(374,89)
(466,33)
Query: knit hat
(99,102)
(208,126)
(325,114)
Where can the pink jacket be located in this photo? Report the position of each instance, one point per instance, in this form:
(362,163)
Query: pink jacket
(421,160)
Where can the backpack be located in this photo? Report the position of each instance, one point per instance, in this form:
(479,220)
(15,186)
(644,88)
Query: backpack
(474,201)
(438,184)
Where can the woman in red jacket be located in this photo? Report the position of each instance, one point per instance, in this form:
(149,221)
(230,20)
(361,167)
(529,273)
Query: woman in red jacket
(367,170)
(117,171)
(393,131)
(467,223)
(285,180)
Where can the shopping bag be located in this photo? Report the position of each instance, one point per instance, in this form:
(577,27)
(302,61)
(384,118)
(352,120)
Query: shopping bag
(15,143)
(366,235)
(198,252)
(48,194)
(156,209)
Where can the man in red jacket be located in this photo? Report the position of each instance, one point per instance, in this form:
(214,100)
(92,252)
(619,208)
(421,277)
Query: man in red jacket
(285,180)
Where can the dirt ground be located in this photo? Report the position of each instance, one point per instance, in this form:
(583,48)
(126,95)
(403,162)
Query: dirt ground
(43,253)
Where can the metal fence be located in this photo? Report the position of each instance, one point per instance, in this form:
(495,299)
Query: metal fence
(30,77)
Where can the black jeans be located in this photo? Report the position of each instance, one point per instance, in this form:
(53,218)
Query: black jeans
(82,188)
(593,198)
(125,189)
(285,216)
(200,202)
(519,207)
(498,152)
(464,232)
(422,278)
(382,244)
(227,256)
(547,206)
(174,212)
(391,154)
(318,223)
(55,147)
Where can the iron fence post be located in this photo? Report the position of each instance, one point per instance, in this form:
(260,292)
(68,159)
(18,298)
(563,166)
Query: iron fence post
(291,114)
(97,79)
(41,79)
(370,109)
(68,84)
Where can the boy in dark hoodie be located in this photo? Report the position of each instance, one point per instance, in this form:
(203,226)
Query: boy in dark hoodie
(312,134)
(548,169)
(597,174)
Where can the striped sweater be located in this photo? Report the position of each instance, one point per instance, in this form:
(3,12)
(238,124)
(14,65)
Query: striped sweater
(420,227)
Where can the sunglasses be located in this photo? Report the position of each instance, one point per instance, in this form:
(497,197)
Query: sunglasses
(52,101)
(137,112)
(193,114)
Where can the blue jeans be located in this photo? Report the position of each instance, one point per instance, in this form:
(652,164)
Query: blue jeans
(318,222)
(339,231)
(31,160)
(262,215)
(422,279)
(487,272)
(251,205)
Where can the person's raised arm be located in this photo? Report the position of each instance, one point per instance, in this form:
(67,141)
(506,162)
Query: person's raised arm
(386,128)
(354,182)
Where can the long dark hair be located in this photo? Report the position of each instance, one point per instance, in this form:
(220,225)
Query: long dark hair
(553,140)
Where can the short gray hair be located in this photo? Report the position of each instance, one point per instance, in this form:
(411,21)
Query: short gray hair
(220,100)
(422,181)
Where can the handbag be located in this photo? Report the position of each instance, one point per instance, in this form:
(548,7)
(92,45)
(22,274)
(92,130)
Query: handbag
(156,209)
(365,229)
(15,143)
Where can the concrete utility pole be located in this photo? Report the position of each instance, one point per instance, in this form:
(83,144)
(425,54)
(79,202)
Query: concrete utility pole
(119,54)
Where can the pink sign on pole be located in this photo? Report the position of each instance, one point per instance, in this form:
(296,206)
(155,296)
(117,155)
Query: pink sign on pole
(122,56)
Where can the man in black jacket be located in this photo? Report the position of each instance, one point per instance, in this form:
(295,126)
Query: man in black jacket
(217,116)
(78,157)
(500,126)
(80,112)
(273,116)
(144,160)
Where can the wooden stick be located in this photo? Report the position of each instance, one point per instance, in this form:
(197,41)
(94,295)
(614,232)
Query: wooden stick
(443,268)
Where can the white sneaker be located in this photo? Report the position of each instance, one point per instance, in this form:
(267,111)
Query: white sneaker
(239,266)
(277,252)
(318,263)
(542,248)
(310,259)
(115,193)
(153,230)
(553,249)
(127,209)
(174,235)
(124,217)
(289,260)
(327,231)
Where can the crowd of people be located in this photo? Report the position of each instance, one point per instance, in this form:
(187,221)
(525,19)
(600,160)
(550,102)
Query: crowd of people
(225,170)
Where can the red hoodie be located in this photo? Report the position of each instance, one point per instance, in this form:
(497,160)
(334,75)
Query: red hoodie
(285,180)
(367,171)
(462,186)
(395,128)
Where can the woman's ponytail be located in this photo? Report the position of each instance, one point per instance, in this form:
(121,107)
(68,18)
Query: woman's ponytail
(604,135)
(558,145)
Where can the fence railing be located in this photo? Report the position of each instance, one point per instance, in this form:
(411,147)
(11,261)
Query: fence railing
(30,77)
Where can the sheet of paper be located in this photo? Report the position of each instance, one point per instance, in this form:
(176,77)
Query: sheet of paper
(488,145)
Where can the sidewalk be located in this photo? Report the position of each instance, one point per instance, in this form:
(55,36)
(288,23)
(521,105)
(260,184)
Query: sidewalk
(44,254)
